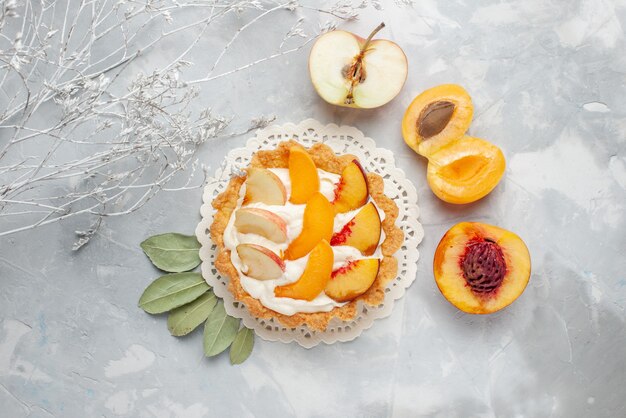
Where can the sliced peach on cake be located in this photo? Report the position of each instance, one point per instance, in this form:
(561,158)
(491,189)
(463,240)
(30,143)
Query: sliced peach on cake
(361,232)
(481,268)
(263,186)
(436,118)
(351,192)
(317,224)
(305,181)
(261,222)
(261,263)
(466,170)
(352,280)
(316,274)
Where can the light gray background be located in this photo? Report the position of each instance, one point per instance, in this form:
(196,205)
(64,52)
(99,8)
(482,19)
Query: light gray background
(548,83)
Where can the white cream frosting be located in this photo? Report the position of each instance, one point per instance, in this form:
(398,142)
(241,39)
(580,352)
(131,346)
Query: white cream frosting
(263,290)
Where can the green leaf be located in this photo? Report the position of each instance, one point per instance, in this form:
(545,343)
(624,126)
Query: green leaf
(171,291)
(220,330)
(173,252)
(242,346)
(183,320)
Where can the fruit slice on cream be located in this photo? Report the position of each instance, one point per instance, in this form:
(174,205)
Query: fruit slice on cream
(261,222)
(352,280)
(317,225)
(481,268)
(351,191)
(303,176)
(262,263)
(362,231)
(315,276)
(347,70)
(263,186)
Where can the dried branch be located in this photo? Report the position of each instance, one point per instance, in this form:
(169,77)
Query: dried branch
(76,140)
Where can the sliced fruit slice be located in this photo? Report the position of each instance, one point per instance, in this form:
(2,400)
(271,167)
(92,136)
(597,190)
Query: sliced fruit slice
(262,263)
(261,222)
(352,280)
(351,192)
(315,277)
(317,224)
(362,232)
(263,186)
(466,170)
(436,118)
(481,268)
(303,175)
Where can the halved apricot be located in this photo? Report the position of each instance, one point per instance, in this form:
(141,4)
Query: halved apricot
(481,268)
(466,170)
(437,117)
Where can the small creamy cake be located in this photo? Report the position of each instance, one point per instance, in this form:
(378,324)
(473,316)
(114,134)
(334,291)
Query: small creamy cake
(305,236)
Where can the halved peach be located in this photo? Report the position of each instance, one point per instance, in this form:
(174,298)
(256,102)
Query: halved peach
(352,280)
(317,225)
(481,268)
(261,222)
(361,232)
(316,274)
(303,175)
(436,118)
(262,263)
(465,171)
(263,186)
(351,192)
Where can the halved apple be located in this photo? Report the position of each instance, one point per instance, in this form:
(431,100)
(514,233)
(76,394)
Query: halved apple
(315,277)
(351,192)
(261,222)
(362,232)
(263,186)
(347,70)
(303,175)
(262,263)
(317,225)
(352,280)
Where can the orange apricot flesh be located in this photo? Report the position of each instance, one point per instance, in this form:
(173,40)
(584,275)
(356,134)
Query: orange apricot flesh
(466,170)
(436,118)
(315,276)
(303,176)
(317,225)
(481,268)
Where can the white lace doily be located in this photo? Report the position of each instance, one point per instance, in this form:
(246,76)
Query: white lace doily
(343,140)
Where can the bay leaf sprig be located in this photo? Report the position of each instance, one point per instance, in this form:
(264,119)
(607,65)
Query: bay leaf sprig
(220,331)
(181,321)
(242,346)
(189,299)
(173,252)
(171,291)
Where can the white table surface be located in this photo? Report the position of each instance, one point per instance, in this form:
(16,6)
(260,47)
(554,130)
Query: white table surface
(548,84)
